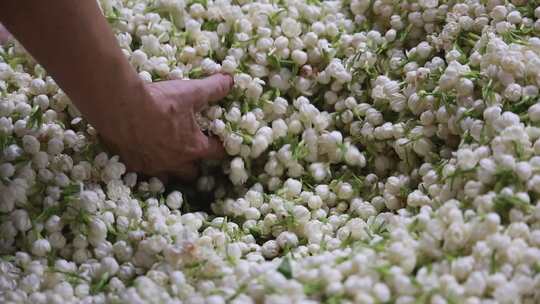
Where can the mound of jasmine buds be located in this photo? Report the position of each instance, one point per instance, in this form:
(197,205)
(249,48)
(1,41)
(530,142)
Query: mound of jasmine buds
(380,152)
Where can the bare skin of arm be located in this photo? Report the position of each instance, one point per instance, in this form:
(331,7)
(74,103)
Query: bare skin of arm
(151,126)
(4,35)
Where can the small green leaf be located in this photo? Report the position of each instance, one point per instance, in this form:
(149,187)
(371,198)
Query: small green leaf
(195,73)
(36,118)
(274,62)
(101,284)
(210,25)
(503,204)
(285,267)
(313,288)
(335,299)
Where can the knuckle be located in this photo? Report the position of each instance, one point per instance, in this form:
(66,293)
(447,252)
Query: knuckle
(171,109)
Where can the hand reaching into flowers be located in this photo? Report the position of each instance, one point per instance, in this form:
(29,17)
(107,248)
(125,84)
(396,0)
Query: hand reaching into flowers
(160,136)
(151,126)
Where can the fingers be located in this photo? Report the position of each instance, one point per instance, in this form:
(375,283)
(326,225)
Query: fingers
(186,171)
(211,89)
(212,148)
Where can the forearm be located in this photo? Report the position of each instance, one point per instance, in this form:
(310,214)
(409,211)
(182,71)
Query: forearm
(74,43)
(4,34)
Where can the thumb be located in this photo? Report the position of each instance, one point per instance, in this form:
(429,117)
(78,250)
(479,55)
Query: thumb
(213,89)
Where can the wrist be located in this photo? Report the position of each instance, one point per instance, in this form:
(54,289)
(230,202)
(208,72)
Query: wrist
(115,114)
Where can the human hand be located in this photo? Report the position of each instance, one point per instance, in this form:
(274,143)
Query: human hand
(151,127)
(156,133)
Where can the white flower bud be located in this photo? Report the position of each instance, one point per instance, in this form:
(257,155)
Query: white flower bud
(175,200)
(299,57)
(41,247)
(21,220)
(293,187)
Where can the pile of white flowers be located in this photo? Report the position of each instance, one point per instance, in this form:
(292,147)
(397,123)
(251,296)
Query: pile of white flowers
(381,151)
